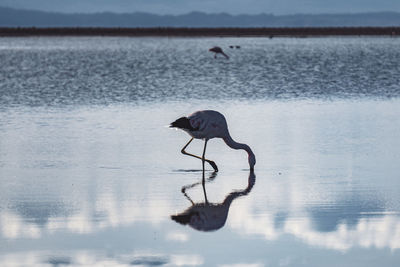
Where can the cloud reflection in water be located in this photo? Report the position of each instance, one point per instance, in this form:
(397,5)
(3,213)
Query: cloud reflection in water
(342,225)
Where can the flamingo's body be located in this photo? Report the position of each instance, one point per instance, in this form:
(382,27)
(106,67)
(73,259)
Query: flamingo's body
(218,50)
(208,124)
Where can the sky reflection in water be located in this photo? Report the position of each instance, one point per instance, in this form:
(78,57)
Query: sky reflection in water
(90,176)
(97,185)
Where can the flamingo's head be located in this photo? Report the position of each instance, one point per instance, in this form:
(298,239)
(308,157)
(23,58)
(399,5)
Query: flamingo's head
(215,49)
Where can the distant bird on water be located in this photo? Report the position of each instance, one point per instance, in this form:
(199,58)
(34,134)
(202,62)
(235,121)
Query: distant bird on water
(208,124)
(218,50)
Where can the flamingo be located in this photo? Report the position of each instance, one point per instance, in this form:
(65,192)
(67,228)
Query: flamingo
(218,50)
(208,124)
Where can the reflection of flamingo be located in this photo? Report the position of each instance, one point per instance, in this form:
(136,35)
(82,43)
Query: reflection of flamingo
(209,216)
(207,124)
(218,50)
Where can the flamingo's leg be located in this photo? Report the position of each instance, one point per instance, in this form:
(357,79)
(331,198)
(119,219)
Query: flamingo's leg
(187,196)
(204,180)
(212,163)
(203,159)
(209,179)
(186,187)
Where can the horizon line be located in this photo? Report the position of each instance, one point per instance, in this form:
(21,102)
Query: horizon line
(202,12)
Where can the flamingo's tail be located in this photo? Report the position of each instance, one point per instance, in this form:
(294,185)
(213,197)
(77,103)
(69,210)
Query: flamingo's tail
(182,123)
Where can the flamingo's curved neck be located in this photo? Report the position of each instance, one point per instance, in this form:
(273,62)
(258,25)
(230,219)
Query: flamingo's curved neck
(235,145)
(229,198)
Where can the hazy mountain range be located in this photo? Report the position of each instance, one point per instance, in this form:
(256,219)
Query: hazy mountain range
(28,18)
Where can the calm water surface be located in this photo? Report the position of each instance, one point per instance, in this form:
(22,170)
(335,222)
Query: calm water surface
(90,175)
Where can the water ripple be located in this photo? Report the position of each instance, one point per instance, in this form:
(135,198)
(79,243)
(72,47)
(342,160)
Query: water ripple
(103,71)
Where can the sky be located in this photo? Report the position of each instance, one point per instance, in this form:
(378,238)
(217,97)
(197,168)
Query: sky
(175,7)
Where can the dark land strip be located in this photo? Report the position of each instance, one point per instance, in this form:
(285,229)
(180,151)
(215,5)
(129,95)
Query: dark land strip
(203,32)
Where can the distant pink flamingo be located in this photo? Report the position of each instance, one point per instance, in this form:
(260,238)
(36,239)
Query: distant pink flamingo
(208,124)
(218,50)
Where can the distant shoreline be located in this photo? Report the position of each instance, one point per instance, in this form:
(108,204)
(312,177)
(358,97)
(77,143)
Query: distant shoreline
(201,32)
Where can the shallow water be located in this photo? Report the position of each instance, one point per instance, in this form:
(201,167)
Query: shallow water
(82,71)
(90,179)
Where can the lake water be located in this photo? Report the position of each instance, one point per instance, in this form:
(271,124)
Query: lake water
(90,174)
